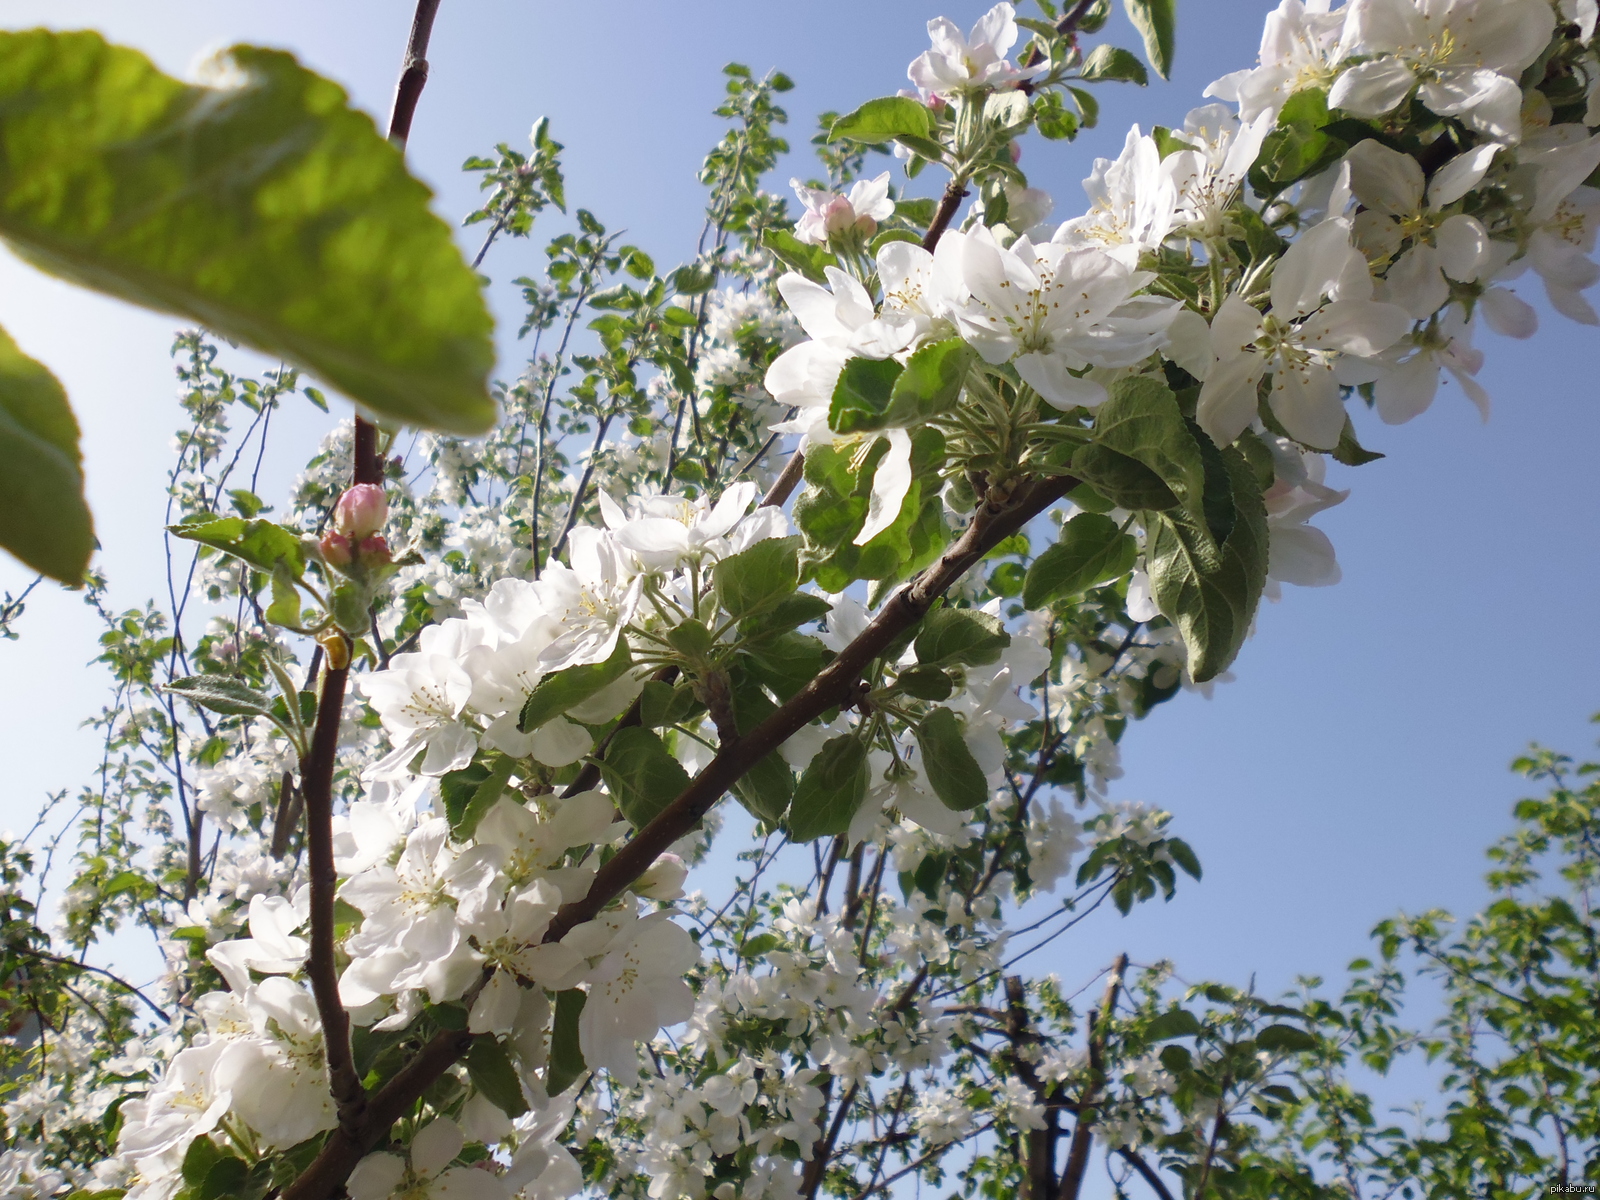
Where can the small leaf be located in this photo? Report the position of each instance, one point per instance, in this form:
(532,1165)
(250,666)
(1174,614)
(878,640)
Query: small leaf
(566,1064)
(1287,1038)
(222,694)
(804,257)
(483,798)
(830,790)
(759,578)
(931,382)
(285,607)
(883,119)
(491,1072)
(561,690)
(1174,1023)
(1092,549)
(1157,23)
(641,774)
(1180,853)
(925,683)
(960,637)
(44,519)
(1350,452)
(862,395)
(268,209)
(948,763)
(1107,62)
(260,543)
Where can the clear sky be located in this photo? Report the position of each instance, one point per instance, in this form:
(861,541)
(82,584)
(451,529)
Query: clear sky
(1356,764)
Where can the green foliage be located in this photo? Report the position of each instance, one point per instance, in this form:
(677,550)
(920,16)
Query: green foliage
(883,120)
(760,578)
(566,1052)
(44,519)
(495,1078)
(260,543)
(952,771)
(641,774)
(564,689)
(271,211)
(960,637)
(1157,23)
(831,789)
(1112,63)
(1091,550)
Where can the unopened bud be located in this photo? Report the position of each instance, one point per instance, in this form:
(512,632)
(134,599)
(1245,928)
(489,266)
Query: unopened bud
(374,550)
(361,511)
(1016,151)
(335,549)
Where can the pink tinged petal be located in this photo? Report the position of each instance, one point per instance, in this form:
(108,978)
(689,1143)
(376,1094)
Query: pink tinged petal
(1407,390)
(1359,327)
(1416,283)
(1047,374)
(1463,247)
(1305,399)
(1372,88)
(495,1009)
(1507,313)
(1484,100)
(1302,555)
(889,487)
(1463,173)
(1386,180)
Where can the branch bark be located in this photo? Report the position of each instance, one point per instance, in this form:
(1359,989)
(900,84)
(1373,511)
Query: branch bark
(1001,515)
(1082,1132)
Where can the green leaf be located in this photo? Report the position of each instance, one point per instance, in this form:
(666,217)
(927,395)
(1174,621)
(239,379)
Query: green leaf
(794,610)
(662,704)
(1143,421)
(1287,1038)
(766,788)
(1052,119)
(804,257)
(788,662)
(464,818)
(883,119)
(285,607)
(202,1155)
(642,774)
(960,637)
(491,1072)
(561,690)
(222,694)
(260,543)
(566,1051)
(225,1179)
(1107,62)
(925,683)
(1092,549)
(931,382)
(1179,851)
(1125,482)
(830,790)
(1174,1023)
(457,788)
(268,209)
(44,519)
(862,394)
(1157,23)
(954,773)
(758,578)
(1210,591)
(1297,146)
(351,605)
(1349,451)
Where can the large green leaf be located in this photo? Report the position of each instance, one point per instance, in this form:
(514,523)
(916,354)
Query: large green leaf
(1157,23)
(932,381)
(260,543)
(960,637)
(44,520)
(830,790)
(1142,420)
(491,1072)
(1092,549)
(642,774)
(954,773)
(882,119)
(266,208)
(1209,590)
(758,578)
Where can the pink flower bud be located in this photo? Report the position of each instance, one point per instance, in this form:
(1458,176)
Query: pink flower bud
(936,102)
(361,511)
(374,550)
(1016,151)
(335,549)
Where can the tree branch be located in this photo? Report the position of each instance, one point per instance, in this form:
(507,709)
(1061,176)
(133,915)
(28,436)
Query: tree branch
(1003,512)
(1082,1131)
(1146,1171)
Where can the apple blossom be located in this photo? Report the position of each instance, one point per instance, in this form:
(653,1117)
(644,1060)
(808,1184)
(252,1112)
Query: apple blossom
(830,215)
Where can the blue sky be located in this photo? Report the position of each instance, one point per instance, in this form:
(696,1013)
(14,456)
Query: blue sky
(1356,764)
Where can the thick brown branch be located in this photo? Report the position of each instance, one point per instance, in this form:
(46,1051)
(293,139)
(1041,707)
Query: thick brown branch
(1083,1131)
(316,785)
(1039,1173)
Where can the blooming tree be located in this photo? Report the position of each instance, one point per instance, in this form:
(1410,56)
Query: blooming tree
(420,788)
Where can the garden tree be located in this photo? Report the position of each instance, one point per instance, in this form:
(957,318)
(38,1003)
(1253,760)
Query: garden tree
(407,784)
